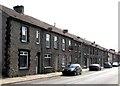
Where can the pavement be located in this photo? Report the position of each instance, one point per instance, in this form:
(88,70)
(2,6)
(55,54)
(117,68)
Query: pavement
(31,77)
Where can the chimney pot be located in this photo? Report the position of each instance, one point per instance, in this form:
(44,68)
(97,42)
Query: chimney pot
(65,31)
(50,28)
(19,9)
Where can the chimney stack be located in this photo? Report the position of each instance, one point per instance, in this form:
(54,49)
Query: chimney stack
(19,9)
(65,31)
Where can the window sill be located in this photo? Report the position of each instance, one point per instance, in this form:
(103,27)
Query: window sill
(23,68)
(63,50)
(47,47)
(37,43)
(47,67)
(24,42)
(56,48)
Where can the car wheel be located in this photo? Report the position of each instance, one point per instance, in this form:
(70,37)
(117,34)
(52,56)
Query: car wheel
(63,74)
(98,69)
(74,73)
(80,73)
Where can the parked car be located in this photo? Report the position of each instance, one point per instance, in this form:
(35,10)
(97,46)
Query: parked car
(72,69)
(107,65)
(115,64)
(119,63)
(94,67)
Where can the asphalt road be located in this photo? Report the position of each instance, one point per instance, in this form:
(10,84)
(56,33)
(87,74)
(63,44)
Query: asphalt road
(105,76)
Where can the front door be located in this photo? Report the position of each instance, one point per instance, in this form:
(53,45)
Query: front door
(38,63)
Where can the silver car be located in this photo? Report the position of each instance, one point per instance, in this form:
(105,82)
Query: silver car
(72,69)
(94,67)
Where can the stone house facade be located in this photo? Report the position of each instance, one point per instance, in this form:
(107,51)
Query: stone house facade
(30,46)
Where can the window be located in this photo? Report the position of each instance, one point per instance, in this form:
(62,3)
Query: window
(79,47)
(69,60)
(24,35)
(70,46)
(47,41)
(37,37)
(75,44)
(47,61)
(69,42)
(55,42)
(91,49)
(63,44)
(63,61)
(75,47)
(23,59)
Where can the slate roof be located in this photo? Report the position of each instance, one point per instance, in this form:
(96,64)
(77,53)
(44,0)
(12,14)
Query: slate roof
(12,13)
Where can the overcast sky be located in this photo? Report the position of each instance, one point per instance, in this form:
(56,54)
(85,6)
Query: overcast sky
(94,20)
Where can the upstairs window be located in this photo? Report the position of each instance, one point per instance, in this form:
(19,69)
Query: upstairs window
(47,40)
(69,43)
(37,37)
(70,46)
(75,47)
(79,47)
(63,44)
(24,34)
(55,42)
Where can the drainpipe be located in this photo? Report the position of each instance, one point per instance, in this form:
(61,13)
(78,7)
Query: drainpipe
(42,56)
(81,55)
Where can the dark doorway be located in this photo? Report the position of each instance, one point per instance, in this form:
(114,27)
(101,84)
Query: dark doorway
(85,64)
(38,64)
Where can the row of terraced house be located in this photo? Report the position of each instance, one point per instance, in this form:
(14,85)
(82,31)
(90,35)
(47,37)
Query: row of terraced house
(30,46)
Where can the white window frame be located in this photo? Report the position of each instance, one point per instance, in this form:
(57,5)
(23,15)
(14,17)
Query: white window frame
(47,40)
(79,48)
(48,56)
(24,33)
(63,44)
(70,58)
(63,61)
(23,53)
(55,42)
(75,47)
(37,37)
(69,43)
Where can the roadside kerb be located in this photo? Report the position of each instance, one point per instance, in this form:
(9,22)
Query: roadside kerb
(32,77)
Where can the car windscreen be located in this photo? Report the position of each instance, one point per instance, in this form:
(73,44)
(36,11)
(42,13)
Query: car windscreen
(95,65)
(71,66)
